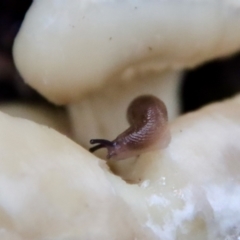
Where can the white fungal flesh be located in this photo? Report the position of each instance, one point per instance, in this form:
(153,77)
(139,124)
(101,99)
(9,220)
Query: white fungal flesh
(99,55)
(52,188)
(67,49)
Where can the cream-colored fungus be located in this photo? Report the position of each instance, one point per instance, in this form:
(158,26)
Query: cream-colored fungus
(51,188)
(48,116)
(99,55)
(96,56)
(67,49)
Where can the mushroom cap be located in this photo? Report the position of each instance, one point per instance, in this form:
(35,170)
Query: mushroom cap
(67,49)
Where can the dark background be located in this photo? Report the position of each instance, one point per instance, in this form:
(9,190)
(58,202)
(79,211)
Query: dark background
(208,83)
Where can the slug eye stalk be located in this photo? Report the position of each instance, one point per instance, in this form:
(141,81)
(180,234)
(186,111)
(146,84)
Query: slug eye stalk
(102,143)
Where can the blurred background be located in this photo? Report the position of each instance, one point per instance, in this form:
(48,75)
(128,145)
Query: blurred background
(208,83)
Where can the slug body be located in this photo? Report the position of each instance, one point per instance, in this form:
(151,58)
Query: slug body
(148,119)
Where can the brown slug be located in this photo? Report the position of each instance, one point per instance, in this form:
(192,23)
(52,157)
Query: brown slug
(148,119)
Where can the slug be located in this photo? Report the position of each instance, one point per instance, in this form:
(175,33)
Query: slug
(148,119)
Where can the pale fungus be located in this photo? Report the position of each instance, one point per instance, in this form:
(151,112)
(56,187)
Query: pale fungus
(96,56)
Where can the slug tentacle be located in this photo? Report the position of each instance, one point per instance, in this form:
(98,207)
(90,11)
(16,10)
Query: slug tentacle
(102,143)
(148,119)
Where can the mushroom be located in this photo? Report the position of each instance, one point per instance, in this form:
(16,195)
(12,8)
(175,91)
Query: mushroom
(96,56)
(52,188)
